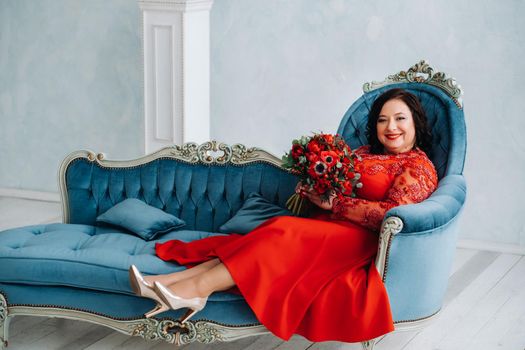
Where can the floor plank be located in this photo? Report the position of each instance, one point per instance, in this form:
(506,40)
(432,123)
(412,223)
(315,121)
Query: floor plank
(19,324)
(396,340)
(295,342)
(234,345)
(486,309)
(461,257)
(334,345)
(110,341)
(495,331)
(66,332)
(29,338)
(268,341)
(452,316)
(468,264)
(87,338)
(134,343)
(514,338)
(469,271)
(17,212)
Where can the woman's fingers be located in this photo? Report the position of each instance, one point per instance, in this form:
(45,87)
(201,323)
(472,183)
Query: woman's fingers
(300,188)
(316,199)
(313,196)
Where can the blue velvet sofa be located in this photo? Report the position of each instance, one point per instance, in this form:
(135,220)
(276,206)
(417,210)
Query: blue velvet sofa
(78,269)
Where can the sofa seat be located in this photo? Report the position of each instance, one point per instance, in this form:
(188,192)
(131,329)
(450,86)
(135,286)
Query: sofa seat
(85,256)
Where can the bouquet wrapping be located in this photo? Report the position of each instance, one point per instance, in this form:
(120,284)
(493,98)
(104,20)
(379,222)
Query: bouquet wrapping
(324,163)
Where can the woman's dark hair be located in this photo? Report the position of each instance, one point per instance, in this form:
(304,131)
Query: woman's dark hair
(423,135)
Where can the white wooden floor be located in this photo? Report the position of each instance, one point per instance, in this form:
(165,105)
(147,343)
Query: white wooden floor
(484,308)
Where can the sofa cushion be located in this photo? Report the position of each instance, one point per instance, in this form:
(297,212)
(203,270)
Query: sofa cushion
(145,221)
(254,211)
(84,256)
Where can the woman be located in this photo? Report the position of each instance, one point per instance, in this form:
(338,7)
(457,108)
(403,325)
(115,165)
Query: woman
(313,276)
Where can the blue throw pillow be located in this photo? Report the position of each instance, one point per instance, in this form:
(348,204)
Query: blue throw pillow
(254,211)
(140,218)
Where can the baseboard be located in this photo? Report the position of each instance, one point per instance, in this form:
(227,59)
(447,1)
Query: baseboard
(491,246)
(28,194)
(462,243)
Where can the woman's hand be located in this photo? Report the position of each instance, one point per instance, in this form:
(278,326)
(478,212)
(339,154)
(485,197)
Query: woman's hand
(300,188)
(315,198)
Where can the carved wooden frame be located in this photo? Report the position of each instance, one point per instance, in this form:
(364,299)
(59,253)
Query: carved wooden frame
(414,75)
(191,152)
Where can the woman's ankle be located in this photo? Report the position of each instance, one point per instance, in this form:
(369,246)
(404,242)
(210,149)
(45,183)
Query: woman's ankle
(157,278)
(189,288)
(175,277)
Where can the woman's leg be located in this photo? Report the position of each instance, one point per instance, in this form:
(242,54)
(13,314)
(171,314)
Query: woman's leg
(174,277)
(203,284)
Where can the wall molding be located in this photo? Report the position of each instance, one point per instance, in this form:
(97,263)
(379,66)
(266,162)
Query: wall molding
(176,56)
(507,248)
(176,5)
(30,194)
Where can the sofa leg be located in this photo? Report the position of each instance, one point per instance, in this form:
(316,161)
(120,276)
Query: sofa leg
(369,344)
(4,322)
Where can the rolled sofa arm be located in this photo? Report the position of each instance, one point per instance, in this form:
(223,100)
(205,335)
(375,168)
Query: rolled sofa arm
(414,219)
(437,210)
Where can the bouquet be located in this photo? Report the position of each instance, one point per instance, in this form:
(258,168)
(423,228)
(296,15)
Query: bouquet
(326,164)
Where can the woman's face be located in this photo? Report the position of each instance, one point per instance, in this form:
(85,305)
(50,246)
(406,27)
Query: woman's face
(395,127)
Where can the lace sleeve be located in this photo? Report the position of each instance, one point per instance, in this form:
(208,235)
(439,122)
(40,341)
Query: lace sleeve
(413,185)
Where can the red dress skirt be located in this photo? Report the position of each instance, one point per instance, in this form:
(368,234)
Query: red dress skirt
(309,276)
(316,276)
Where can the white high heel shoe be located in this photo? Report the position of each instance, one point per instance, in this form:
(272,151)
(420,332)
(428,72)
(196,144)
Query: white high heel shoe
(175,302)
(144,289)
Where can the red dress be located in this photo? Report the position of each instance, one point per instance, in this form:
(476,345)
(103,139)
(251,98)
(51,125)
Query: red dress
(316,276)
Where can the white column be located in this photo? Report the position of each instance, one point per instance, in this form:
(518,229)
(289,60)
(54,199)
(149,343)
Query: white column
(176,41)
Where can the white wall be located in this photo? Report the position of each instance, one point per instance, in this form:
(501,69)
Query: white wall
(71,77)
(281,69)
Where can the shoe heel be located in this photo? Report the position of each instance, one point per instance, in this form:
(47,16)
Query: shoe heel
(135,278)
(188,315)
(157,310)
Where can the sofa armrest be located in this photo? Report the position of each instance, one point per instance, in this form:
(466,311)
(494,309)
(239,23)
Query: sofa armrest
(422,218)
(437,210)
(416,249)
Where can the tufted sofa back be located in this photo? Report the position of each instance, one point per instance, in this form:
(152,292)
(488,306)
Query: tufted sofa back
(203,195)
(444,117)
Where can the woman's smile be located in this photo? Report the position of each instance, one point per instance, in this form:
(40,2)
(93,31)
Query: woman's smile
(392,136)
